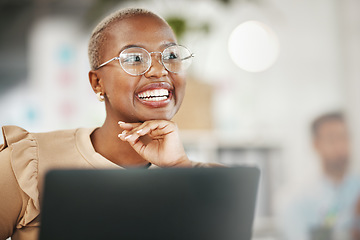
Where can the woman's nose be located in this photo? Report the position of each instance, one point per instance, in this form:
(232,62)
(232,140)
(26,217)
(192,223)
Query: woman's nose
(157,69)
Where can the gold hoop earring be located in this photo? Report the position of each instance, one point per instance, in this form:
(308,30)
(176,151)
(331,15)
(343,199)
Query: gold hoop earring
(100,96)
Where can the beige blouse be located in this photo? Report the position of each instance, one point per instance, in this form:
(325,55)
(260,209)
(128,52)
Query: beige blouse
(24,159)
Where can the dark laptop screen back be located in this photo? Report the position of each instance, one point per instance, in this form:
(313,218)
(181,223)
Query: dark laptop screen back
(198,203)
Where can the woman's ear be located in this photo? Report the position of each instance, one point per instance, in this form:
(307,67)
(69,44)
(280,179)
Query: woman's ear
(95,82)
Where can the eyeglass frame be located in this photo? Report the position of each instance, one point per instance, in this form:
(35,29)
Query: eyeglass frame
(161,53)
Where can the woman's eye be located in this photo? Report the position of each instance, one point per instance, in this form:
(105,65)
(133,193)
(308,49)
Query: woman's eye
(171,56)
(133,59)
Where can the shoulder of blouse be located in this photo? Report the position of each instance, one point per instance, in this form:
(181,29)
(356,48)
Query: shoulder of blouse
(24,163)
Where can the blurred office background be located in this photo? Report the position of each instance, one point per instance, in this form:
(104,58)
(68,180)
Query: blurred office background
(241,107)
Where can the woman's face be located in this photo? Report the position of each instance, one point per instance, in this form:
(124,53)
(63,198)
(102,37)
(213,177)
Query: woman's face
(125,93)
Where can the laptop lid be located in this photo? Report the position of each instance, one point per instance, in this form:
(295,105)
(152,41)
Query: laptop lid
(138,204)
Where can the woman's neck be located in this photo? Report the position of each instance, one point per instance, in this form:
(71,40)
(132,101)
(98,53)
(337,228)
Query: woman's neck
(106,142)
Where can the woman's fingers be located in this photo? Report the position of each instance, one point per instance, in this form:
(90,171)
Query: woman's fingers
(131,133)
(128,130)
(157,141)
(154,129)
(128,126)
(131,138)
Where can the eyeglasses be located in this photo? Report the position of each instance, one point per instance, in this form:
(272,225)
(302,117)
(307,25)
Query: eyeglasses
(137,61)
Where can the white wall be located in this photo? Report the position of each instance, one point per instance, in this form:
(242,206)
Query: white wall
(349,25)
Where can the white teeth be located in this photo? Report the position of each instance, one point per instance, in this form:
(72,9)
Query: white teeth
(155,99)
(163,92)
(154,95)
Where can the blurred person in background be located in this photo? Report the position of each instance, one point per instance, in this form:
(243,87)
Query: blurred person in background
(323,209)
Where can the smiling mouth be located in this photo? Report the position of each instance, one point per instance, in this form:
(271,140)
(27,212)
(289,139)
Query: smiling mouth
(154,95)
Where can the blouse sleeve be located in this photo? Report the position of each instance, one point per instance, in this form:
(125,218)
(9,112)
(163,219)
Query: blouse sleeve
(19,195)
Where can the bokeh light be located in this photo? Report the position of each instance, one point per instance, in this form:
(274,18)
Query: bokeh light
(253,46)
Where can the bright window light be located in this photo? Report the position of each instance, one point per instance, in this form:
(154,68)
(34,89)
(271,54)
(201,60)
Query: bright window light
(253,46)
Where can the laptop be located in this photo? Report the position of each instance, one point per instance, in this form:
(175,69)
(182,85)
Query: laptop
(161,204)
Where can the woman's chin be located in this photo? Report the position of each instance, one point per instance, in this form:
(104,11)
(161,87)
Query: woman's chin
(167,117)
(166,113)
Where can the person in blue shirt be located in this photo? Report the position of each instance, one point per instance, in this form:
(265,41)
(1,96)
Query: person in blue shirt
(324,208)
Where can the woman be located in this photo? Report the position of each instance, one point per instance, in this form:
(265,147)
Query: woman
(137,69)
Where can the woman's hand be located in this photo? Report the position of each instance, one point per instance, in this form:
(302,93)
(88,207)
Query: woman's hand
(157,141)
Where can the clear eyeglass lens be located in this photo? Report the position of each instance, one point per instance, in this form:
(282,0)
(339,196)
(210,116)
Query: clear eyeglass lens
(177,58)
(137,61)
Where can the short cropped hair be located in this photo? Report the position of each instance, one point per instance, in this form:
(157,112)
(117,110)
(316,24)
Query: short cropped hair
(328,117)
(98,35)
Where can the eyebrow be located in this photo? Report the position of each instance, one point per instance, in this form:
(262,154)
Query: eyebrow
(165,45)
